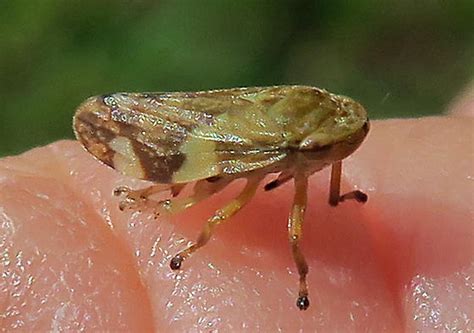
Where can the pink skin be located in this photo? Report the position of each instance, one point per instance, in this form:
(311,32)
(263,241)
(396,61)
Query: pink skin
(402,262)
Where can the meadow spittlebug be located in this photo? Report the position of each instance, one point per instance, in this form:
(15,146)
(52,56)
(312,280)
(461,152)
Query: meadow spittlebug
(210,138)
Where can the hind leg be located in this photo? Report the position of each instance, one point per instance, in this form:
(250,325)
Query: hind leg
(219,217)
(140,199)
(202,190)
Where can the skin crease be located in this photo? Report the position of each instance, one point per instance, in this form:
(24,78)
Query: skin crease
(400,263)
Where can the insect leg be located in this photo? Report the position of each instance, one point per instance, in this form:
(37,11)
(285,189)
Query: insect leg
(176,189)
(295,225)
(280,180)
(202,190)
(138,198)
(335,188)
(219,217)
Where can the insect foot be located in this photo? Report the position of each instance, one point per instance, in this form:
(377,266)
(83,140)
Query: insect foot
(133,199)
(303,302)
(176,262)
(357,195)
(164,207)
(118,191)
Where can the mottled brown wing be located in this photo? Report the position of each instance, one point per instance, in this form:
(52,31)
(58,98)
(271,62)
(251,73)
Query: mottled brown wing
(182,137)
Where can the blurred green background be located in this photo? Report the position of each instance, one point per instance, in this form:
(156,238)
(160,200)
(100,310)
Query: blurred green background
(399,58)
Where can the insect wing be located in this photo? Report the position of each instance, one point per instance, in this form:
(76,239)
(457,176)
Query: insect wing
(181,137)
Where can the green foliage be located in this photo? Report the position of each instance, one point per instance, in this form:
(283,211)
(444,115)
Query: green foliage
(399,58)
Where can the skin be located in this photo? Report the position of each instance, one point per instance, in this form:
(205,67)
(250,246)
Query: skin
(402,262)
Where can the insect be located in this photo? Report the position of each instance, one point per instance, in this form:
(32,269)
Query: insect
(210,138)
